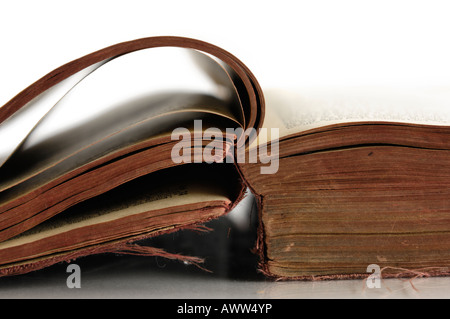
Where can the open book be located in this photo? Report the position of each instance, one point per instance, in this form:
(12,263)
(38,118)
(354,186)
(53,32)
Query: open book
(167,133)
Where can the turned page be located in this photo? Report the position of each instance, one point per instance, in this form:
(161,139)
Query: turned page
(128,99)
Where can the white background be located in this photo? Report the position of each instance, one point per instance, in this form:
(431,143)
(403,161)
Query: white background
(284,43)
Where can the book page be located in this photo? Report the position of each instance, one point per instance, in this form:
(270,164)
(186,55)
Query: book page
(126,92)
(179,186)
(298,110)
(127,86)
(24,172)
(16,128)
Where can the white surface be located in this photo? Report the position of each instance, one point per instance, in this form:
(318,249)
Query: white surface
(124,281)
(285,44)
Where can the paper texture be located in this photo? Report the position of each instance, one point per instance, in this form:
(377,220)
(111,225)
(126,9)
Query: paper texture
(135,198)
(297,110)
